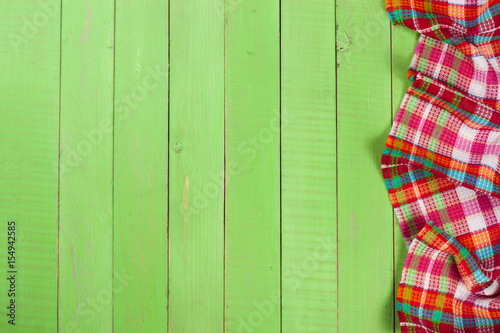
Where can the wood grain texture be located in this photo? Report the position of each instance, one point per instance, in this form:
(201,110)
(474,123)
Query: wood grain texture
(364,211)
(196,178)
(86,174)
(403,44)
(308,164)
(29,135)
(141,166)
(218,169)
(252,166)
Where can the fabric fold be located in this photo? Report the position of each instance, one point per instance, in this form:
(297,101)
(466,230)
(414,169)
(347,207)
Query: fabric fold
(441,166)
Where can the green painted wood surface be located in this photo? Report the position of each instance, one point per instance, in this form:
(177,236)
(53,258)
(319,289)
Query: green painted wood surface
(252,147)
(140,167)
(199,166)
(29,136)
(196,168)
(308,153)
(86,167)
(365,238)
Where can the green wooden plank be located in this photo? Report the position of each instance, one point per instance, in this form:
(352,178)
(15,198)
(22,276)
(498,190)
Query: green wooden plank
(253,166)
(86,167)
(141,166)
(29,141)
(309,226)
(403,44)
(196,165)
(364,211)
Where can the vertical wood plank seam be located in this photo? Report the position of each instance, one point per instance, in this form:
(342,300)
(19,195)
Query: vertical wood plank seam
(281,174)
(168,166)
(337,164)
(59,165)
(224,180)
(113,175)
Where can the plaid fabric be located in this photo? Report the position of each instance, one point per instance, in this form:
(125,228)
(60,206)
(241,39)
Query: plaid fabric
(477,76)
(441,167)
(471,26)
